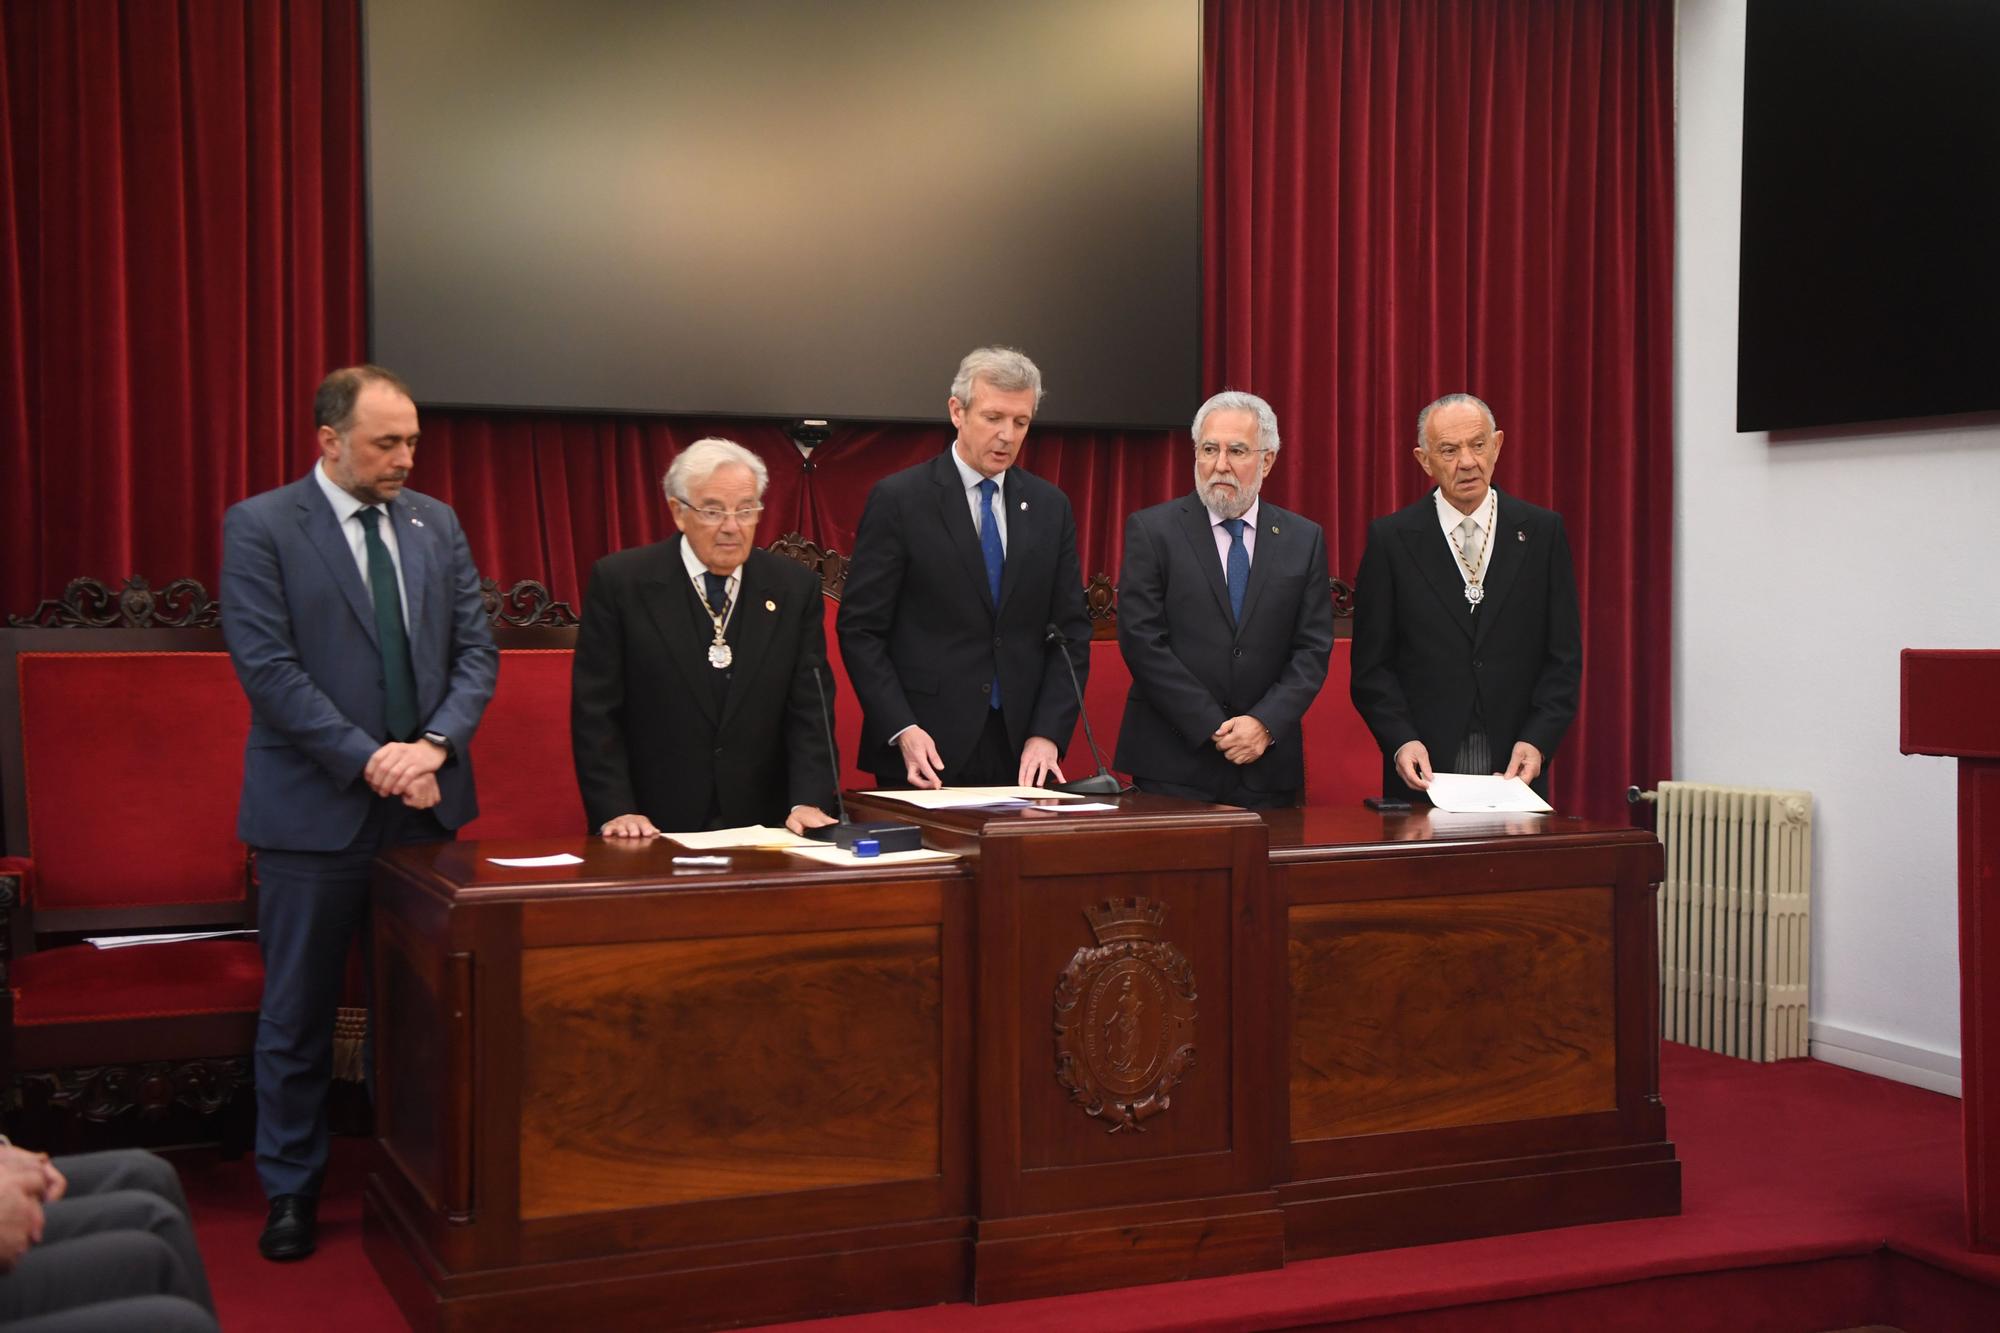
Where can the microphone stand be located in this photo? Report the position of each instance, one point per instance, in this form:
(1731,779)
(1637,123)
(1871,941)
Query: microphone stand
(890,835)
(1104,782)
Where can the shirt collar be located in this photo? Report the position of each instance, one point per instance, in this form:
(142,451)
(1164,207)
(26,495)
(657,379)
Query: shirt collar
(1486,516)
(1249,516)
(969,475)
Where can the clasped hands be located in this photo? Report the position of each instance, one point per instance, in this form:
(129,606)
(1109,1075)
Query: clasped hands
(1413,764)
(923,768)
(28,1182)
(1242,739)
(407,769)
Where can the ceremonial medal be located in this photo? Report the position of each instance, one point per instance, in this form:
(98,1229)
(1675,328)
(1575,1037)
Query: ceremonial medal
(1474,593)
(719,655)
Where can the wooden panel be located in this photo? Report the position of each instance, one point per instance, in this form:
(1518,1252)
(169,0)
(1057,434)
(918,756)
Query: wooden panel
(1426,1013)
(781,1062)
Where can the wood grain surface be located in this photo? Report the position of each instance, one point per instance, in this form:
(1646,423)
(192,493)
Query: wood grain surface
(782,1062)
(1432,1012)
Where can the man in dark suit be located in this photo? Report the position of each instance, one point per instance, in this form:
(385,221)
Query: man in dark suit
(693,698)
(1226,621)
(1468,647)
(353,616)
(960,566)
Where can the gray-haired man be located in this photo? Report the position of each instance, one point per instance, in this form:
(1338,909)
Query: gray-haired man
(1226,623)
(693,703)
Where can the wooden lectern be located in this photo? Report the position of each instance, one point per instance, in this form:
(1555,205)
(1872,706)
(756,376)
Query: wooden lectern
(1948,710)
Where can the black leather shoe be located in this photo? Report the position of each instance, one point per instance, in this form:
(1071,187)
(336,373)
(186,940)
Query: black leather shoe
(288,1231)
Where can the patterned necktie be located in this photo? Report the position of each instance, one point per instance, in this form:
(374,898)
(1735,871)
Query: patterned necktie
(996,558)
(399,684)
(1238,567)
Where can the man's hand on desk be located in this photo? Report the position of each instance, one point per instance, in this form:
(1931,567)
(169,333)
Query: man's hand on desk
(1039,760)
(1413,765)
(922,767)
(1242,739)
(804,817)
(1526,763)
(629,826)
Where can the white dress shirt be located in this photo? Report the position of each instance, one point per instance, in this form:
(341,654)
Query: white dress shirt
(347,510)
(971,476)
(1485,517)
(1221,534)
(695,571)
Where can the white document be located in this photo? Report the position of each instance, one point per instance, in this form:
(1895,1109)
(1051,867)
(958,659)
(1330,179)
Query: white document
(748,837)
(127,941)
(827,854)
(958,798)
(1484,794)
(532,862)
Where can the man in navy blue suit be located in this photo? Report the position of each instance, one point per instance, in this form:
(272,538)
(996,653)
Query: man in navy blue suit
(354,619)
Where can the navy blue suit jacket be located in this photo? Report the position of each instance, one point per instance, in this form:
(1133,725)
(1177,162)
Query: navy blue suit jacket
(920,635)
(1194,666)
(301,632)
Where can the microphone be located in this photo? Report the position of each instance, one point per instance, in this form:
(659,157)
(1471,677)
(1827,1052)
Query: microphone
(1104,782)
(889,836)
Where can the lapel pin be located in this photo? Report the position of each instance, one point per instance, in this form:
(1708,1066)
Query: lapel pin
(416,523)
(1519,535)
(770,605)
(1024,506)
(1274,529)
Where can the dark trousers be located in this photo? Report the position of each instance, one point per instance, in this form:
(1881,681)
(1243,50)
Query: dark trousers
(117,1252)
(311,906)
(1231,793)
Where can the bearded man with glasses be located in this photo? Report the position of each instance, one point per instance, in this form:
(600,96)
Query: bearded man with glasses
(693,703)
(1225,618)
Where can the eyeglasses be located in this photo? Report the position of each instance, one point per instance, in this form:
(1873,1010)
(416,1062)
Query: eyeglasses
(1207,451)
(714,517)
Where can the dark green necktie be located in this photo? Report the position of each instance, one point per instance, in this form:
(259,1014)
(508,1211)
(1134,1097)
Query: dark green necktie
(399,684)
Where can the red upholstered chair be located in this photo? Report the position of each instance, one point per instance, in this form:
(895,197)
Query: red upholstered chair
(122,756)
(521,757)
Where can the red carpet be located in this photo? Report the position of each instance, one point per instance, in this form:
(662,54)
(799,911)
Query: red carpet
(1815,1198)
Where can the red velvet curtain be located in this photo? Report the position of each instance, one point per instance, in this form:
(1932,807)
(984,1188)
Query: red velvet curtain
(1403,197)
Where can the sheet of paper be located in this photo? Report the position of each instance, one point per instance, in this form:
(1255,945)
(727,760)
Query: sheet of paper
(174,937)
(840,856)
(1089,805)
(1484,794)
(748,836)
(958,798)
(531,862)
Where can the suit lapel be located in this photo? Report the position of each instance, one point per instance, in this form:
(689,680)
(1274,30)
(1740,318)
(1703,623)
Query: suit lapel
(1503,567)
(1425,543)
(956,516)
(1027,530)
(685,632)
(1272,522)
(322,530)
(1194,524)
(749,632)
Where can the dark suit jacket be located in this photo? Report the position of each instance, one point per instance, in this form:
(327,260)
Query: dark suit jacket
(301,632)
(1423,658)
(1194,667)
(651,733)
(920,635)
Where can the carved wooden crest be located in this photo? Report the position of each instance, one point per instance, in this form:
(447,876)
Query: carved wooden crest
(1125,1016)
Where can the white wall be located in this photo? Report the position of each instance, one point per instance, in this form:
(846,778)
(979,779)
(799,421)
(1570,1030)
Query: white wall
(1802,566)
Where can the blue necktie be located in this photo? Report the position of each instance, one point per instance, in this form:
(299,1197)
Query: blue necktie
(718,590)
(1238,567)
(399,684)
(996,559)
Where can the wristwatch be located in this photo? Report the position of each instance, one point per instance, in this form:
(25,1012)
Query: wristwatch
(439,739)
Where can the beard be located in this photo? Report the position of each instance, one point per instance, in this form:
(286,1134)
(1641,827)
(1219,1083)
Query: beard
(1228,501)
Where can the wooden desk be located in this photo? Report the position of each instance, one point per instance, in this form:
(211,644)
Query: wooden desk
(1106,1048)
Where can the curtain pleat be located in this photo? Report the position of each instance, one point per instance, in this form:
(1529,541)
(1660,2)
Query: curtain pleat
(1401,198)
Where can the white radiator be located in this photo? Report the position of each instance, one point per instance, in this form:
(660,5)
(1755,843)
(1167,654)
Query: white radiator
(1735,918)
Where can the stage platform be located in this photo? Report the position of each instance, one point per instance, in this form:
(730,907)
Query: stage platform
(1814,1198)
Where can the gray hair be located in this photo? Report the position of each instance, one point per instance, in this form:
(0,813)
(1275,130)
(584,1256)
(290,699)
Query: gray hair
(1007,369)
(1236,400)
(700,460)
(1450,400)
